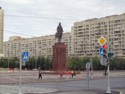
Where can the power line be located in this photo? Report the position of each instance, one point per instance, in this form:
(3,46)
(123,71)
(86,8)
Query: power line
(39,17)
(18,33)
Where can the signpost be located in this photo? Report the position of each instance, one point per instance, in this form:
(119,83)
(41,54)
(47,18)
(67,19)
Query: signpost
(88,65)
(23,57)
(91,61)
(104,59)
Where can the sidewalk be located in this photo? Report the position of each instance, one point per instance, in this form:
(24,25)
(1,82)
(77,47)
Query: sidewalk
(9,89)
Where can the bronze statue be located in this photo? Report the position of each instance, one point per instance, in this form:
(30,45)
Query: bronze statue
(59,33)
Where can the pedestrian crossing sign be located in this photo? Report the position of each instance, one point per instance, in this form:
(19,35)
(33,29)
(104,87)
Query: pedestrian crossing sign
(25,56)
(101,51)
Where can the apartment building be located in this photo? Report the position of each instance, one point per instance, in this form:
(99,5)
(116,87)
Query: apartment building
(85,35)
(1,32)
(37,46)
(82,41)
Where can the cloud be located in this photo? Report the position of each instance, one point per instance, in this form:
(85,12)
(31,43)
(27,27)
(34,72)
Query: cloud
(19,1)
(56,9)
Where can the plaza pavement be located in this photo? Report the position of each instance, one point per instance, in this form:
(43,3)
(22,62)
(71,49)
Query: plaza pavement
(7,79)
(32,76)
(10,89)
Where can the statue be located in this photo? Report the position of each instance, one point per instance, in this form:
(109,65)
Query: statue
(59,33)
(59,51)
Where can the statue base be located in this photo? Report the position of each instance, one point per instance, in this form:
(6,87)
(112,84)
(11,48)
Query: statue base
(59,57)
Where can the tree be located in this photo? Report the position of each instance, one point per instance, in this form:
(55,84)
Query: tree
(47,63)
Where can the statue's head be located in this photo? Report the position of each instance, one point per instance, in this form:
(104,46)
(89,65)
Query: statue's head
(59,23)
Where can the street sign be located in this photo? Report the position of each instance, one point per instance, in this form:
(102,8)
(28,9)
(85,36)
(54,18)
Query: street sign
(25,56)
(102,41)
(103,61)
(88,65)
(101,51)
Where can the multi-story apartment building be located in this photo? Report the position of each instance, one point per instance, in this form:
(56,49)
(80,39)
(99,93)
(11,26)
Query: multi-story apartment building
(37,46)
(82,41)
(85,35)
(1,32)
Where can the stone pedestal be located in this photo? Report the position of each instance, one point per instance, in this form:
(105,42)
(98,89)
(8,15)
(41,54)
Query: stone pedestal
(59,57)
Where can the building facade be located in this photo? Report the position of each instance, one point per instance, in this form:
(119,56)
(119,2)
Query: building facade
(1,32)
(85,35)
(37,46)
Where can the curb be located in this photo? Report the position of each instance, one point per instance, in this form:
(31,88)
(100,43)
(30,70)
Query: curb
(82,92)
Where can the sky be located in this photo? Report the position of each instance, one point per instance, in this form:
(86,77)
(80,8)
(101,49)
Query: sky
(34,18)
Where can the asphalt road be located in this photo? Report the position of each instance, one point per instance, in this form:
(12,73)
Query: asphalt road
(97,84)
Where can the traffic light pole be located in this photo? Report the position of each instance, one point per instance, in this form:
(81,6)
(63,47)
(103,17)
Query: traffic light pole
(108,77)
(102,42)
(108,87)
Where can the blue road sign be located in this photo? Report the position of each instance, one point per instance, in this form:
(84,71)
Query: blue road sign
(101,51)
(25,56)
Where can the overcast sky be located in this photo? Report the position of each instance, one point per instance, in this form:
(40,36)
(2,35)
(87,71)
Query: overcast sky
(41,17)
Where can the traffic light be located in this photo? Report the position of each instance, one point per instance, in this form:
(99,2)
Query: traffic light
(106,61)
(105,54)
(110,55)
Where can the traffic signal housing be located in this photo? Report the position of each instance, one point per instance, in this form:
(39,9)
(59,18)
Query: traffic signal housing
(105,55)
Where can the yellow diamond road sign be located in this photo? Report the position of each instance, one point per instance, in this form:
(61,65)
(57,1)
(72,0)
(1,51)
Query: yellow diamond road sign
(102,41)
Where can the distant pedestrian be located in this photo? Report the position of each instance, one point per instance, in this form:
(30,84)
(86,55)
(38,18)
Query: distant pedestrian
(72,73)
(61,74)
(67,74)
(40,75)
